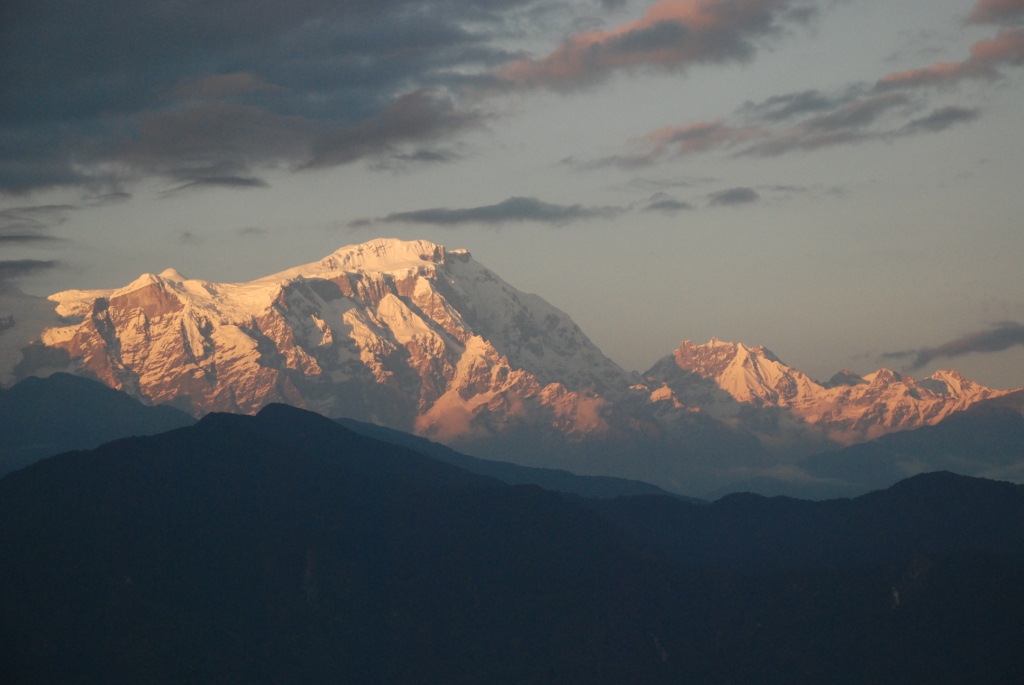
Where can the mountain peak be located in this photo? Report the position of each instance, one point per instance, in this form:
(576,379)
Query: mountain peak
(384,254)
(845,377)
(713,358)
(375,331)
(172,274)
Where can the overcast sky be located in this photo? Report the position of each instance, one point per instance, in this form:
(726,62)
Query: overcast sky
(841,181)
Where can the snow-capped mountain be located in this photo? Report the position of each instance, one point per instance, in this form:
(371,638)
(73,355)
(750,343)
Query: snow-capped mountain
(412,336)
(407,334)
(752,387)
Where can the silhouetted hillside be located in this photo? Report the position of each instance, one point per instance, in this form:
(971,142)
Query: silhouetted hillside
(284,548)
(930,514)
(513,474)
(40,417)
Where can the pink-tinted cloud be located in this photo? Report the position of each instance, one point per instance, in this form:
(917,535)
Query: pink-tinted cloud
(701,137)
(674,34)
(997,11)
(218,86)
(1007,48)
(812,121)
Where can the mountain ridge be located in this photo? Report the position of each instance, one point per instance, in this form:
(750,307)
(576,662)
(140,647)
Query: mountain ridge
(422,339)
(734,382)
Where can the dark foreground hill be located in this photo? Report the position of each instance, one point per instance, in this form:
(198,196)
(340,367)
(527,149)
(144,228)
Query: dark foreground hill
(557,480)
(928,515)
(283,548)
(40,417)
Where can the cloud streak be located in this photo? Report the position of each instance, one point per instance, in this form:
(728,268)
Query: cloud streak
(998,12)
(512,210)
(662,202)
(32,224)
(13,269)
(986,58)
(807,120)
(672,36)
(1000,337)
(733,196)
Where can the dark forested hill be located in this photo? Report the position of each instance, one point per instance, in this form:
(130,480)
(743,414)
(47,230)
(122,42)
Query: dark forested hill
(284,548)
(40,417)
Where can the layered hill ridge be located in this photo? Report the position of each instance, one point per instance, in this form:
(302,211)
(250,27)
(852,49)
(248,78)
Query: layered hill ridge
(283,548)
(753,387)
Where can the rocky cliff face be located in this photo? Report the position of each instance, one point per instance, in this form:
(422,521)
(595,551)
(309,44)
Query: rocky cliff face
(752,387)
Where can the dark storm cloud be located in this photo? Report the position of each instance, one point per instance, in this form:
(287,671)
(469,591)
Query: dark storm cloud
(93,94)
(512,210)
(733,196)
(1002,336)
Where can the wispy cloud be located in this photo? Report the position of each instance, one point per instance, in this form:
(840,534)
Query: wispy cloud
(897,105)
(672,36)
(998,12)
(666,204)
(1002,336)
(734,196)
(940,120)
(32,224)
(512,210)
(13,269)
(986,58)
(220,182)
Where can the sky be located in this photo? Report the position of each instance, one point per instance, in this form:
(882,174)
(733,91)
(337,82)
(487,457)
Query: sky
(841,181)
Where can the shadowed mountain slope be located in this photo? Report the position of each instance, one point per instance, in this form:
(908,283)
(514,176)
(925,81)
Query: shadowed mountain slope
(40,417)
(985,440)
